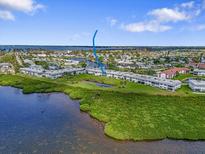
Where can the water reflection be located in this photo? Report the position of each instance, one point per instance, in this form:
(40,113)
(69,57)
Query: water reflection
(53,123)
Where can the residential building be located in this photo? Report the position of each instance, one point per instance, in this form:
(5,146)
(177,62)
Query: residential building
(201,66)
(192,64)
(167,84)
(199,72)
(170,73)
(7,68)
(202,60)
(142,79)
(197,85)
(28,61)
(34,70)
(71,62)
(53,74)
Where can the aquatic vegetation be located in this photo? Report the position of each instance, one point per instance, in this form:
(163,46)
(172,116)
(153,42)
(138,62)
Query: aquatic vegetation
(134,112)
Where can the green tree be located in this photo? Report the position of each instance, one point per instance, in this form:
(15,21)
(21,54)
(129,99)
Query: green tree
(83,64)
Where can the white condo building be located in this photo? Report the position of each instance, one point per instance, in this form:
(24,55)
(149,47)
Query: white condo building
(197,85)
(53,74)
(167,84)
(199,72)
(138,78)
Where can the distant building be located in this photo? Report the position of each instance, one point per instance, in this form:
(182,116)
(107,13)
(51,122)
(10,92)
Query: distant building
(197,85)
(167,84)
(6,68)
(33,70)
(27,61)
(199,72)
(201,66)
(53,74)
(41,55)
(137,78)
(202,60)
(197,65)
(71,62)
(170,73)
(53,66)
(192,64)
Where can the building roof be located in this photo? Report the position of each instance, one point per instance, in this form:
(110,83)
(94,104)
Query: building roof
(193,64)
(199,83)
(52,72)
(141,77)
(199,71)
(174,70)
(5,64)
(201,65)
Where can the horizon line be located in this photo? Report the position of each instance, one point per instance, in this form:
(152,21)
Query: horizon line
(106,45)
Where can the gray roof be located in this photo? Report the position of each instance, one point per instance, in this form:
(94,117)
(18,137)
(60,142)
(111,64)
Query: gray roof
(198,83)
(141,77)
(5,64)
(52,72)
(199,71)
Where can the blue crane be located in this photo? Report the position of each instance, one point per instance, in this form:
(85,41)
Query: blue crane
(98,62)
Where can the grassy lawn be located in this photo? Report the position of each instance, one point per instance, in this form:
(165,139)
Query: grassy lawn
(87,82)
(87,77)
(183,77)
(130,112)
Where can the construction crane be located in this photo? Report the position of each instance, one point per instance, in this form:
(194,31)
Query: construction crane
(100,65)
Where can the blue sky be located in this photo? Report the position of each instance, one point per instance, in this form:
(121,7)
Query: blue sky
(127,22)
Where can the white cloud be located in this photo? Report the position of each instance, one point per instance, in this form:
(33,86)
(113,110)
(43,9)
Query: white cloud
(192,8)
(200,27)
(188,5)
(27,6)
(169,15)
(159,20)
(112,21)
(6,15)
(151,26)
(197,12)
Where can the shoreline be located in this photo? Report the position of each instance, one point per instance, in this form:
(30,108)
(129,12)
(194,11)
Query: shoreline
(88,98)
(101,124)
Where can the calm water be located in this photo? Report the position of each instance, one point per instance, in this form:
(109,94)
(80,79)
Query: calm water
(63,48)
(101,84)
(104,85)
(52,123)
(76,48)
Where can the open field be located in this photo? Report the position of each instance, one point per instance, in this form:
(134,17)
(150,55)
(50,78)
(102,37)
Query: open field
(83,81)
(130,111)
